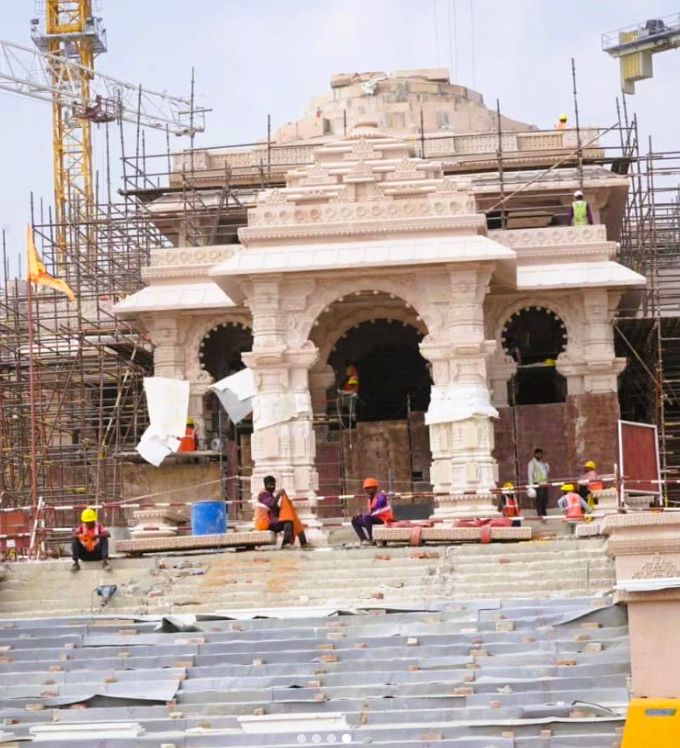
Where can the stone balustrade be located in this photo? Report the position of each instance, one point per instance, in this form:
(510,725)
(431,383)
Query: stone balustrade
(533,143)
(552,236)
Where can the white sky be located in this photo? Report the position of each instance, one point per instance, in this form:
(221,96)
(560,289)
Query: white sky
(259,57)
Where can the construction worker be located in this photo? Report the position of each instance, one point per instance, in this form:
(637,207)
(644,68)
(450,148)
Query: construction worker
(537,473)
(508,503)
(188,443)
(275,512)
(580,213)
(350,383)
(590,481)
(562,122)
(90,541)
(379,512)
(572,505)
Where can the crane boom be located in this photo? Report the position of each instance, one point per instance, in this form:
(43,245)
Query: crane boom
(29,72)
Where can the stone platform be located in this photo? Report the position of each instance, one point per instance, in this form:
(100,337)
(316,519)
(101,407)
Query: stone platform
(449,534)
(196,542)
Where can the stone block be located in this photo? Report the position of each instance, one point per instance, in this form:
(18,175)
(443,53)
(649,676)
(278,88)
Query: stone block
(329,658)
(505,626)
(591,625)
(594,647)
(196,542)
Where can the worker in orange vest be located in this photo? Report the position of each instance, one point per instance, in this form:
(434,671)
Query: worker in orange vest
(90,541)
(590,480)
(350,383)
(573,506)
(508,503)
(379,512)
(188,443)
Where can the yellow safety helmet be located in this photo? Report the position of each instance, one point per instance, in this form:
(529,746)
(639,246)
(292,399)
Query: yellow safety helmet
(88,515)
(563,118)
(590,465)
(509,486)
(549,362)
(566,487)
(190,421)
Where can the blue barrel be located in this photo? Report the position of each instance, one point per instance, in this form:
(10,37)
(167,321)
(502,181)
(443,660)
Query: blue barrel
(208,518)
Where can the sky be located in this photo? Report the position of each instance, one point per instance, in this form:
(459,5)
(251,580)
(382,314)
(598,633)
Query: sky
(258,57)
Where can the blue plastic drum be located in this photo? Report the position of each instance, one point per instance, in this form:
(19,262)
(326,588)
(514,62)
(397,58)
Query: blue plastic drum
(208,518)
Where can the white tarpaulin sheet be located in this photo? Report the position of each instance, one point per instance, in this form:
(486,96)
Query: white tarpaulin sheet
(168,404)
(236,393)
(648,585)
(458,402)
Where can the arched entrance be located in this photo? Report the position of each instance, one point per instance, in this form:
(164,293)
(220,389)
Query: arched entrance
(380,334)
(534,337)
(394,377)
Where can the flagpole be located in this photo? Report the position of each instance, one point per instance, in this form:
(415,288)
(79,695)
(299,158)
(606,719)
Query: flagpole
(31,391)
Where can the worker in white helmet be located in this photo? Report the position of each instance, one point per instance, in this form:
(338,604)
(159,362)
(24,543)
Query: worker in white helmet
(580,213)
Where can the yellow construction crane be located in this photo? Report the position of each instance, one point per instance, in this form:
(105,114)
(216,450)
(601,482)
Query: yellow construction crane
(70,31)
(68,38)
(635,45)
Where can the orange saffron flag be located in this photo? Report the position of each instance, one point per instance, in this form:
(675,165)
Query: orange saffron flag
(37,272)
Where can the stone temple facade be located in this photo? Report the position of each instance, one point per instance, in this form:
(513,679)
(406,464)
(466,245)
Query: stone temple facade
(363,230)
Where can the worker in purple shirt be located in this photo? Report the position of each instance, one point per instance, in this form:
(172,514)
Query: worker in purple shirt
(379,512)
(580,213)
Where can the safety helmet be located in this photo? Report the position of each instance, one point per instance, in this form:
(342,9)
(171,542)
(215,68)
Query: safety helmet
(531,493)
(549,362)
(509,486)
(370,483)
(590,465)
(578,194)
(190,421)
(566,487)
(563,118)
(88,515)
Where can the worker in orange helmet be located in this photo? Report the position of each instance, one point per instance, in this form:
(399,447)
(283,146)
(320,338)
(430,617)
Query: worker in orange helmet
(90,541)
(379,512)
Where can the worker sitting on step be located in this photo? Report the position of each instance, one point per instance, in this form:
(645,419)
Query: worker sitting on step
(90,541)
(508,503)
(572,505)
(275,512)
(379,512)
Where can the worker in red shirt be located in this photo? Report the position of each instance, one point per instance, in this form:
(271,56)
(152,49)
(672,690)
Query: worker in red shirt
(90,541)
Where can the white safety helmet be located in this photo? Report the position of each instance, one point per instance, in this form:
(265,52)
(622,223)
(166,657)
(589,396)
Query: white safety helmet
(531,493)
(578,195)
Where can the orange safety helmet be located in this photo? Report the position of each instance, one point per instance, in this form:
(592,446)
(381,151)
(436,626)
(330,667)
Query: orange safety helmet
(370,483)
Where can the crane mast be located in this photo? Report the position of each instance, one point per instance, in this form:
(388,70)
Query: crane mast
(70,33)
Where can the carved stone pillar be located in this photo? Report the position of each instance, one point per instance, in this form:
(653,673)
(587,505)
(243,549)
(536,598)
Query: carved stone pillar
(602,365)
(283,439)
(461,433)
(167,335)
(501,370)
(646,548)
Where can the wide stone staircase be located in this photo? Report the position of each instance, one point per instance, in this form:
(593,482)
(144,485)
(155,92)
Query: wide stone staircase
(481,674)
(334,577)
(498,646)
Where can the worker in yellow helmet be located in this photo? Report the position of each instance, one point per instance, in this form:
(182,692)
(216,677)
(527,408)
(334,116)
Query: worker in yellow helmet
(589,481)
(90,541)
(562,122)
(572,505)
(508,503)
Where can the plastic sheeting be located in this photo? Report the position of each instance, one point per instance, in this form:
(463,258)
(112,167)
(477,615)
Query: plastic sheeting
(168,404)
(236,393)
(456,402)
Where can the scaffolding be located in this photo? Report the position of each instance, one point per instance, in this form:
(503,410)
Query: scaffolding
(71,375)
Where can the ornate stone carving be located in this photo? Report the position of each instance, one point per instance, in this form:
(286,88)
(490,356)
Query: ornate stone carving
(657,567)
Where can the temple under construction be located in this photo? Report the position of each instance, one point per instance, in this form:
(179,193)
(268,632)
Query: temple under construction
(151,299)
